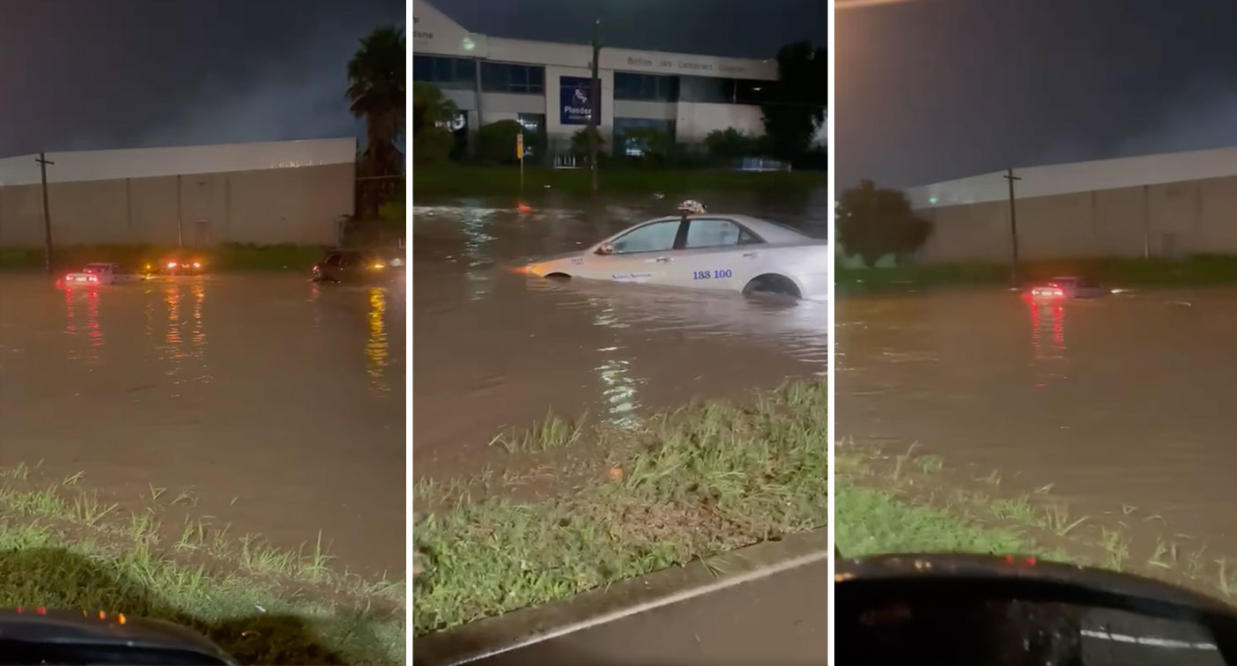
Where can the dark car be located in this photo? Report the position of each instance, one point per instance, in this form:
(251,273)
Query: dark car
(359,266)
(176,264)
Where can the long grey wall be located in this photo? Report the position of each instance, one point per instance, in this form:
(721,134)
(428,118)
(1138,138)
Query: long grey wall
(287,205)
(1160,220)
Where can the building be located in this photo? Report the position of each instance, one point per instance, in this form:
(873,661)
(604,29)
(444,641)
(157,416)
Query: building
(263,193)
(1167,205)
(546,86)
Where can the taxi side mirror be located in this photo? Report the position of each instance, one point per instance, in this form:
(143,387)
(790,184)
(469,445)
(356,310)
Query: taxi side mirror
(605,248)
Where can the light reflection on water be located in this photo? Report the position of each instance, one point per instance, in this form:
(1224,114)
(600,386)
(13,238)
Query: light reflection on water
(376,347)
(214,382)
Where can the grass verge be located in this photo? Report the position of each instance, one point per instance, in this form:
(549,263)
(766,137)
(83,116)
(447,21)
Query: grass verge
(224,257)
(62,547)
(891,502)
(481,180)
(1116,272)
(692,483)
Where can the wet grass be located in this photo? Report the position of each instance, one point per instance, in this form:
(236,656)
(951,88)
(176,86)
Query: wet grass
(481,180)
(63,547)
(901,502)
(223,257)
(701,480)
(551,433)
(1114,272)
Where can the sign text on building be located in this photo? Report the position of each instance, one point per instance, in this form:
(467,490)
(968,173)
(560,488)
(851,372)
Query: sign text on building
(576,102)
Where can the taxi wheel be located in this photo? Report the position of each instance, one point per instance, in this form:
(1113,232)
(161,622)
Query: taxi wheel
(771,283)
(558,276)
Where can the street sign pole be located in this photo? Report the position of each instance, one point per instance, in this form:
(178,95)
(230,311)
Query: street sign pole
(519,153)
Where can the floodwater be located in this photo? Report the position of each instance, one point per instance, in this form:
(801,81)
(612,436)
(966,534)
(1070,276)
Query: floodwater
(495,348)
(279,402)
(1120,400)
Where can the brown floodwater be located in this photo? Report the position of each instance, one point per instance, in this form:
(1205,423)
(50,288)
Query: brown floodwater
(279,402)
(1120,400)
(494,348)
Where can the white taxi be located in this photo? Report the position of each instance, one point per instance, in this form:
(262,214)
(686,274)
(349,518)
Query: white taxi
(704,251)
(94,274)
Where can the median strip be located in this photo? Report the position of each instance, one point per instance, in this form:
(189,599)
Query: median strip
(697,482)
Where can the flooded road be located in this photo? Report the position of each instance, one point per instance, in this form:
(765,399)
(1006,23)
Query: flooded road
(1122,400)
(495,348)
(278,402)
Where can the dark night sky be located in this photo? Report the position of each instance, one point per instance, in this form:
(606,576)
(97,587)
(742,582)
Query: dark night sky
(739,28)
(91,74)
(929,90)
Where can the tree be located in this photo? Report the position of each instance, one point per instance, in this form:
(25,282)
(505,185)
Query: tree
(431,141)
(429,107)
(795,106)
(580,144)
(496,141)
(874,222)
(730,144)
(376,89)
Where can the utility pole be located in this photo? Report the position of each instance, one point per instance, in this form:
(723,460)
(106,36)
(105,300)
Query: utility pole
(1013,227)
(594,99)
(47,217)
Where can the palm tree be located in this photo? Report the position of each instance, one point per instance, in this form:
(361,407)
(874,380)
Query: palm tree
(376,88)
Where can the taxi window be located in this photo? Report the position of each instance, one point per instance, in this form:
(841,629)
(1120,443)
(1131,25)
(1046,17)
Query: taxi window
(655,237)
(332,259)
(712,233)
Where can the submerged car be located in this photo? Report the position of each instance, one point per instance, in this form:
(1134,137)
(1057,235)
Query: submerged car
(93,274)
(704,251)
(359,266)
(177,265)
(1068,287)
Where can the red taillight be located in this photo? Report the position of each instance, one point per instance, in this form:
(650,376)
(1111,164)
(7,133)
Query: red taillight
(315,267)
(93,278)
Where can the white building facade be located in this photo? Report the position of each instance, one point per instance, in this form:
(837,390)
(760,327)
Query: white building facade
(546,86)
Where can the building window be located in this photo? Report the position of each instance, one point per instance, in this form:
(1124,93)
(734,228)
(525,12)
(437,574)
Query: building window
(534,125)
(706,89)
(531,122)
(631,135)
(444,72)
(748,91)
(648,87)
(501,77)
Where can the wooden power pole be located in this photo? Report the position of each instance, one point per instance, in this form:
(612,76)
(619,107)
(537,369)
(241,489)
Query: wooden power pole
(1013,228)
(47,218)
(594,113)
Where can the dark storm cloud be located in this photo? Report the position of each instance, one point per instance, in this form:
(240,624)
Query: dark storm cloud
(938,89)
(738,28)
(88,74)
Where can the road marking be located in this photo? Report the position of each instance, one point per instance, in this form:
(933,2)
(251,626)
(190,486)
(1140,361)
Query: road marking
(653,604)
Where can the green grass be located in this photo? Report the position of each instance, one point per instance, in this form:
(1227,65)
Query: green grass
(1114,272)
(224,257)
(61,547)
(702,480)
(478,180)
(897,503)
(874,522)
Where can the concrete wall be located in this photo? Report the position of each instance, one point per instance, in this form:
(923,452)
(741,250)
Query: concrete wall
(1159,220)
(266,206)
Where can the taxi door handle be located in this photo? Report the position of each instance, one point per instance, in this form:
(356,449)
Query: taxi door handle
(749,255)
(663,260)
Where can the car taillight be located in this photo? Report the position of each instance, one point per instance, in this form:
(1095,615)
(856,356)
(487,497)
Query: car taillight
(315,267)
(93,278)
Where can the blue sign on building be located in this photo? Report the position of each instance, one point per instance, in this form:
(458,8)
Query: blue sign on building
(575,103)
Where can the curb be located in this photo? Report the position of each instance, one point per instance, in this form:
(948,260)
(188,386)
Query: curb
(520,628)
